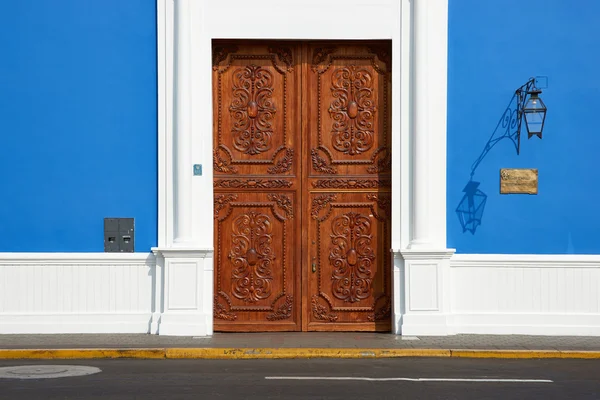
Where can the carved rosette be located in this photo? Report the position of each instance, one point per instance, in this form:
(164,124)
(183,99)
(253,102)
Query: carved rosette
(251,257)
(252,183)
(320,202)
(284,164)
(351,257)
(284,203)
(319,164)
(284,311)
(321,312)
(352,110)
(252,109)
(220,311)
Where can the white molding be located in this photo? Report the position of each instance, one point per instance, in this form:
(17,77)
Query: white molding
(526,260)
(420,254)
(176,252)
(76,258)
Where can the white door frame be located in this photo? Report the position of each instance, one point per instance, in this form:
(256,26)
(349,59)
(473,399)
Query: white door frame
(185,30)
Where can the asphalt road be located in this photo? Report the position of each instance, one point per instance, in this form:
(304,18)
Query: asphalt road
(312,379)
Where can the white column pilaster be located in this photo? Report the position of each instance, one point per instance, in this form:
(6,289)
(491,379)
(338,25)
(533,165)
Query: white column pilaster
(429,71)
(422,272)
(183,290)
(182,200)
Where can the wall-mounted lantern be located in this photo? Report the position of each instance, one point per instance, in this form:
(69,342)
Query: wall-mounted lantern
(531,107)
(535,114)
(470,208)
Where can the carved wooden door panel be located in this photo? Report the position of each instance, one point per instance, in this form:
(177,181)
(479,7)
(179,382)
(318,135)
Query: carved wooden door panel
(302,172)
(256,114)
(348,171)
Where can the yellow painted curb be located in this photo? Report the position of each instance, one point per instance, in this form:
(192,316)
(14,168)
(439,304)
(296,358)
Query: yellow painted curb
(580,354)
(289,353)
(266,353)
(49,354)
(524,354)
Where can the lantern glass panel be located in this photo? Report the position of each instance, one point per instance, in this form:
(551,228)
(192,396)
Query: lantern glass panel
(535,114)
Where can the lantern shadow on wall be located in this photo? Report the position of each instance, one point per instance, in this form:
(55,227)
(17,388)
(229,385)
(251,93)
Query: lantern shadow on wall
(524,104)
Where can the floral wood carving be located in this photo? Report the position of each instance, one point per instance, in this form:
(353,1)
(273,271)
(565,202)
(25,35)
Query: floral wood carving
(350,183)
(222,200)
(283,202)
(382,309)
(221,164)
(283,165)
(383,54)
(384,202)
(252,183)
(285,56)
(284,311)
(252,109)
(252,257)
(220,54)
(382,162)
(352,110)
(321,202)
(319,164)
(320,54)
(351,257)
(221,312)
(320,312)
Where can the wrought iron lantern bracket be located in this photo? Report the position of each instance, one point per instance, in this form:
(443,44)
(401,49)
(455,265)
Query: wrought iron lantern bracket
(511,121)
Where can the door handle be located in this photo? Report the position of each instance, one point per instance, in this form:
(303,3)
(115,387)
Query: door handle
(314,267)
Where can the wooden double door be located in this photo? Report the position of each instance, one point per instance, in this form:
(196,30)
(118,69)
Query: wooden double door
(302,177)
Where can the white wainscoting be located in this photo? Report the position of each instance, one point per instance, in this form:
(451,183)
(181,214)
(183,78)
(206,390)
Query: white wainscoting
(118,293)
(76,292)
(525,294)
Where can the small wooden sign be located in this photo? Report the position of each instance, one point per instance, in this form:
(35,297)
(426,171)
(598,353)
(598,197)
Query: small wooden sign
(518,181)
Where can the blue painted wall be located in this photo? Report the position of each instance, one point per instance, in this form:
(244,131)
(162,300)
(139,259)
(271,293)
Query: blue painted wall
(78,122)
(494,47)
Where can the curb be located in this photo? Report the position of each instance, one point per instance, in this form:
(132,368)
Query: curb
(284,353)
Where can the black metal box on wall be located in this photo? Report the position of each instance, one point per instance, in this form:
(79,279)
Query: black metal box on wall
(118,235)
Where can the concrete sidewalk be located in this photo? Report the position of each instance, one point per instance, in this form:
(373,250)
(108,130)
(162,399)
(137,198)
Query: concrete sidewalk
(295,345)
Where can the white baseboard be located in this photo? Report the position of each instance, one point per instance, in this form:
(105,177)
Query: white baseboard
(426,325)
(185,325)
